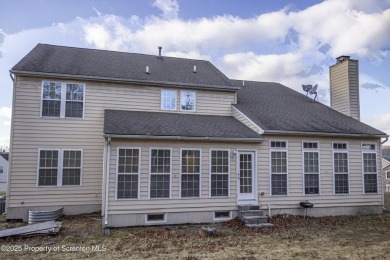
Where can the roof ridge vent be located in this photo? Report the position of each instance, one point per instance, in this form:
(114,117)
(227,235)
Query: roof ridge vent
(147,70)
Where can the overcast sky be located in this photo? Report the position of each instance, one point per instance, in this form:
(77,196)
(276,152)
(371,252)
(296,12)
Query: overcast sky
(291,42)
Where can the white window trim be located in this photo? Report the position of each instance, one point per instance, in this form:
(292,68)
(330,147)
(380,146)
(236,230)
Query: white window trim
(376,161)
(334,173)
(161,99)
(62,100)
(277,149)
(170,172)
(228,173)
(193,91)
(155,221)
(200,172)
(387,187)
(117,173)
(317,150)
(59,167)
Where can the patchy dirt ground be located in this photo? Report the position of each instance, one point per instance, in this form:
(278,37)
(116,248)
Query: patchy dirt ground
(363,237)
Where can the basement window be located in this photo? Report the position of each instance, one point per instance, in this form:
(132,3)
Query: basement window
(222,215)
(155,218)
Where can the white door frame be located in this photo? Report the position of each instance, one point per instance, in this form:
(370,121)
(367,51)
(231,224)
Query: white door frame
(248,200)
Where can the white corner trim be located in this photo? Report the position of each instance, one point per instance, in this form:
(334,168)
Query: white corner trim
(260,130)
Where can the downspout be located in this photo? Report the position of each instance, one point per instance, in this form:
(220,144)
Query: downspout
(387,139)
(382,179)
(107,180)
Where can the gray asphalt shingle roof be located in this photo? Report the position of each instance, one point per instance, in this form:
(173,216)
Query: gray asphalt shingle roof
(103,64)
(275,107)
(118,122)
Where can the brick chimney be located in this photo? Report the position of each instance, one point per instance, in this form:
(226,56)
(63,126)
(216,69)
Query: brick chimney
(344,86)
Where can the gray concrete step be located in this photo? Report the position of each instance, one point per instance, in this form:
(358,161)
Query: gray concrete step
(261,225)
(255,219)
(257,212)
(248,207)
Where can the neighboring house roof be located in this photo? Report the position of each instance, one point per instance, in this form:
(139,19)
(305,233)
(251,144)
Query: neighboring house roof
(4,155)
(63,61)
(277,108)
(386,158)
(178,126)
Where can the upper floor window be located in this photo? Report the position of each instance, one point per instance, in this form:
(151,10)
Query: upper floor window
(187,100)
(369,168)
(62,99)
(340,165)
(168,99)
(388,175)
(1,169)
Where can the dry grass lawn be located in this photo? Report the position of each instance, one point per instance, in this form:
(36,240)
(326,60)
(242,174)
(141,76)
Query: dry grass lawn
(363,237)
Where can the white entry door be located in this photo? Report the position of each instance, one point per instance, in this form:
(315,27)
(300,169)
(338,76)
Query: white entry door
(246,179)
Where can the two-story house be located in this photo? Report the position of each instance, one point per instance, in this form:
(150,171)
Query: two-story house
(159,140)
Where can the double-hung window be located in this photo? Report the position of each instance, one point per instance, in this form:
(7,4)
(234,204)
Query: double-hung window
(369,168)
(190,173)
(278,151)
(168,99)
(128,173)
(59,167)
(388,175)
(160,173)
(219,173)
(340,168)
(187,100)
(62,99)
(311,168)
(1,169)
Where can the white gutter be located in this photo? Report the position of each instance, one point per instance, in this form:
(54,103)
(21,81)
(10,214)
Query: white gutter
(187,138)
(276,132)
(140,82)
(107,179)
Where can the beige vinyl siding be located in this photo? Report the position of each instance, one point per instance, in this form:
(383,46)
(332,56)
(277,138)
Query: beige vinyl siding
(237,114)
(174,204)
(339,92)
(32,132)
(353,72)
(327,198)
(344,88)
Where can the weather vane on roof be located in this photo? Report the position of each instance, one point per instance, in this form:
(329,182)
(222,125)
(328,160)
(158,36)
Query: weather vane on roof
(309,89)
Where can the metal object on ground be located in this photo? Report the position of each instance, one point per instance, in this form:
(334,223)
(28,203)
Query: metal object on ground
(44,215)
(49,227)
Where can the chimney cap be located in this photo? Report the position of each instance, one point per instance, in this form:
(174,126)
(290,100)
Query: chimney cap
(342,58)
